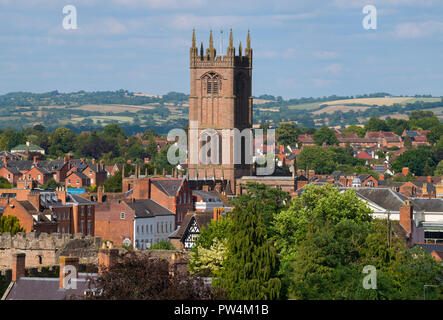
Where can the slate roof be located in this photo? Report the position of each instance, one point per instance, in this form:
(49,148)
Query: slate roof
(379,168)
(429,247)
(207,196)
(27,288)
(427,205)
(168,186)
(70,197)
(148,208)
(79,174)
(383,197)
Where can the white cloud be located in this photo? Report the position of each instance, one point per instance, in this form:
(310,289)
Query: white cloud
(411,30)
(326,55)
(334,69)
(384,3)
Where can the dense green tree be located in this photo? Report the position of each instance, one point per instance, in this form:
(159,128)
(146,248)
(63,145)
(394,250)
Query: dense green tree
(51,184)
(250,267)
(114,183)
(268,200)
(325,135)
(439,169)
(5,184)
(326,238)
(375,124)
(209,252)
(113,131)
(287,134)
(61,141)
(316,158)
(10,224)
(407,142)
(416,160)
(435,134)
(355,129)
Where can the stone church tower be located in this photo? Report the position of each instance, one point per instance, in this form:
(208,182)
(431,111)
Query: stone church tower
(220,98)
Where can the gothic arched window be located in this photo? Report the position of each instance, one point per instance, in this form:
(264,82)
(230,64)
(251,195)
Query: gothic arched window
(212,83)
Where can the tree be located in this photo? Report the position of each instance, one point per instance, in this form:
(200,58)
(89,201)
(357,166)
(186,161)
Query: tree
(268,200)
(316,158)
(325,135)
(4,183)
(355,129)
(61,141)
(162,245)
(51,184)
(113,130)
(209,251)
(286,134)
(326,238)
(439,169)
(114,183)
(10,224)
(435,133)
(375,124)
(143,277)
(408,142)
(416,160)
(250,267)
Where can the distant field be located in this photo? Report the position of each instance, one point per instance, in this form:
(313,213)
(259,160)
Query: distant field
(339,107)
(364,102)
(104,118)
(114,108)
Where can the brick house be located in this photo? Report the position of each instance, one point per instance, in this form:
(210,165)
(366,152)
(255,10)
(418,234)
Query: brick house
(77,179)
(96,173)
(172,193)
(39,174)
(140,223)
(49,211)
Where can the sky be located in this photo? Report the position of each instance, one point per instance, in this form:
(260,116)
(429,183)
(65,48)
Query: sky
(301,48)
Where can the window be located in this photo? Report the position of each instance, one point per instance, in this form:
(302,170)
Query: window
(78,181)
(142,228)
(39,177)
(82,227)
(63,230)
(150,227)
(90,172)
(81,211)
(147,229)
(9,176)
(170,226)
(122,215)
(89,211)
(69,181)
(212,83)
(89,227)
(137,230)
(158,228)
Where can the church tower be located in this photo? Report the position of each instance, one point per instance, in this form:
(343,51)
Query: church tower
(220,98)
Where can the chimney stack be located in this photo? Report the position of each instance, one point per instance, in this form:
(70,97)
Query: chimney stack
(429,179)
(68,266)
(93,161)
(5,161)
(106,259)
(407,217)
(35,161)
(18,266)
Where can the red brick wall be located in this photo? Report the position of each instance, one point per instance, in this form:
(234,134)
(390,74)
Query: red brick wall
(110,226)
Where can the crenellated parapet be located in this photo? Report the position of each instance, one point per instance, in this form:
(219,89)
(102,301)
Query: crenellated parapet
(202,59)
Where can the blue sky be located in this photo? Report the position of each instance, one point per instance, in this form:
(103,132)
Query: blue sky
(301,48)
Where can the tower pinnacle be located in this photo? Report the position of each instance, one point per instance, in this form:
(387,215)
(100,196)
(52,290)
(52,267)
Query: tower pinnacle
(193,38)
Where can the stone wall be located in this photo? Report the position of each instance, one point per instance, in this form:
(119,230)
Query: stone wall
(45,249)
